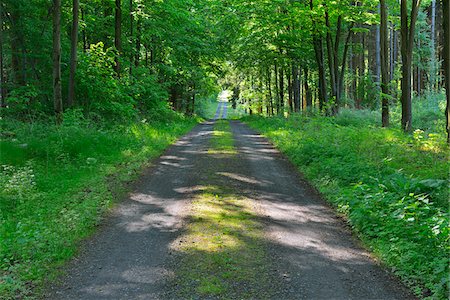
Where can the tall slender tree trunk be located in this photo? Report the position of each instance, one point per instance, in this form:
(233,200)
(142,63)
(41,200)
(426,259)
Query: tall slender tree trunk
(446,18)
(384,47)
(306,89)
(84,35)
(318,51)
(290,91)
(296,87)
(131,37)
(277,92)
(118,34)
(281,89)
(73,53)
(407,32)
(433,46)
(378,51)
(2,72)
(269,88)
(57,95)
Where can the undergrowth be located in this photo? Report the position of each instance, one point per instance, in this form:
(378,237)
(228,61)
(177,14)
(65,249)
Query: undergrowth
(392,187)
(56,182)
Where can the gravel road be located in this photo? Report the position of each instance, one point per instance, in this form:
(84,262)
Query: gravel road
(313,254)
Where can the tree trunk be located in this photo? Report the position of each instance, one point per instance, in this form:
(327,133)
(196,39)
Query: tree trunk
(446,17)
(269,88)
(277,92)
(2,72)
(57,95)
(73,53)
(384,65)
(433,47)
(296,87)
(306,89)
(377,51)
(318,51)
(281,89)
(407,32)
(118,34)
(131,37)
(290,91)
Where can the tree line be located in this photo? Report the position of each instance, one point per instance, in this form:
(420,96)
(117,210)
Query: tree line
(110,58)
(116,57)
(295,55)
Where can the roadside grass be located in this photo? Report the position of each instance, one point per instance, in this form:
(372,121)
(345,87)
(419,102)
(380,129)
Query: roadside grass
(392,187)
(56,183)
(222,253)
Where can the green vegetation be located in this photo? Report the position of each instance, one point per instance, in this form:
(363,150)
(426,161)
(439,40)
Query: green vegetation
(222,252)
(392,187)
(222,139)
(57,182)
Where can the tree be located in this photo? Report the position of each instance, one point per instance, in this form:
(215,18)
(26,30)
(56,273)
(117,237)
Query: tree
(407,44)
(2,73)
(57,95)
(446,17)
(118,34)
(385,78)
(73,52)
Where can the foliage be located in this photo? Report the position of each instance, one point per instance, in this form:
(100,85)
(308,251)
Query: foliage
(57,182)
(392,188)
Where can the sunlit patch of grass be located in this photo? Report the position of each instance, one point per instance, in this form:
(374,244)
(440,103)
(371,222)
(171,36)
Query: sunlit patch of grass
(222,139)
(222,251)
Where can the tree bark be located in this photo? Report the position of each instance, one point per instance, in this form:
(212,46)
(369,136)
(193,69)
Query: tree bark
(296,87)
(384,47)
(306,89)
(73,53)
(407,32)
(446,18)
(281,89)
(2,72)
(57,95)
(118,34)
(290,92)
(318,51)
(433,46)
(378,51)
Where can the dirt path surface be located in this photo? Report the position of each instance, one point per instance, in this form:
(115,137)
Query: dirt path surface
(311,253)
(218,110)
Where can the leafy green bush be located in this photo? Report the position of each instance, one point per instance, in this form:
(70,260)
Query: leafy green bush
(98,90)
(392,187)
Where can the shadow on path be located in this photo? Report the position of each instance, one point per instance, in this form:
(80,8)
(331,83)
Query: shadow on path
(312,255)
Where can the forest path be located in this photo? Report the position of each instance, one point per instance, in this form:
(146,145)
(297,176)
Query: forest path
(310,252)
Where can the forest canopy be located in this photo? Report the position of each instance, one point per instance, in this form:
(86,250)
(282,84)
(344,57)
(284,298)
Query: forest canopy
(116,58)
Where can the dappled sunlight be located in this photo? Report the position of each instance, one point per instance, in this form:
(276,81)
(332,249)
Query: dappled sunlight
(162,221)
(245,179)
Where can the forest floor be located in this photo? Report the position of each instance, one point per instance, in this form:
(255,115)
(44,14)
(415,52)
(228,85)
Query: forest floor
(222,214)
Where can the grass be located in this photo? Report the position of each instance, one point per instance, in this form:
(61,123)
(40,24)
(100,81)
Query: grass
(222,252)
(222,139)
(56,183)
(392,187)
